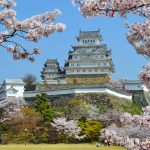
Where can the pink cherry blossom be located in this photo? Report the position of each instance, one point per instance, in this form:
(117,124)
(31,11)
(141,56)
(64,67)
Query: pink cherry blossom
(30,29)
(90,8)
(133,133)
(69,128)
(145,75)
(10,108)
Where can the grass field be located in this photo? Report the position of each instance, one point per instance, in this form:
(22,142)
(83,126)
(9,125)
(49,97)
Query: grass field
(59,147)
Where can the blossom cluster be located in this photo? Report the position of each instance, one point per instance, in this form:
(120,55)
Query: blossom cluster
(7,3)
(30,29)
(118,84)
(134,133)
(11,107)
(139,36)
(90,8)
(140,120)
(111,136)
(69,128)
(145,75)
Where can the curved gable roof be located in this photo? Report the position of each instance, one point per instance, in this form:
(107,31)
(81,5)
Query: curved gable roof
(14,81)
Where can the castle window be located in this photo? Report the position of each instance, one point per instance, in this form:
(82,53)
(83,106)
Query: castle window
(85,41)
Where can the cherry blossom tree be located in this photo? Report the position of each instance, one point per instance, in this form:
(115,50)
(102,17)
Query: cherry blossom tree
(10,108)
(117,84)
(132,134)
(31,29)
(69,128)
(145,75)
(138,33)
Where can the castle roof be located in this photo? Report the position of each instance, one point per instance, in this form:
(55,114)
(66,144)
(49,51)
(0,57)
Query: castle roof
(89,34)
(52,61)
(14,81)
(132,82)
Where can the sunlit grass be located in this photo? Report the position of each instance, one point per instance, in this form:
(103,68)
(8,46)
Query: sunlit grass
(59,147)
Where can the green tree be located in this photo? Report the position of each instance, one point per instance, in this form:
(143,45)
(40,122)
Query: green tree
(134,108)
(42,105)
(75,109)
(91,128)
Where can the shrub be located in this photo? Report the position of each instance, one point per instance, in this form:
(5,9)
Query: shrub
(91,129)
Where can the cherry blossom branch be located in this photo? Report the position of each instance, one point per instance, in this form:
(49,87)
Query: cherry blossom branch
(31,29)
(90,8)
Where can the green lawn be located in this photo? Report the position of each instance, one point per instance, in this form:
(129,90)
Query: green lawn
(58,147)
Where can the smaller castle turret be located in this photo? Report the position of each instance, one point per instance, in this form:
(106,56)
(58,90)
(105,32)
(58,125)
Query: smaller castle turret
(52,73)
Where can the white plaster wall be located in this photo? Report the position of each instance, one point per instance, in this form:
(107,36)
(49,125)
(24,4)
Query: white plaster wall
(80,90)
(56,81)
(19,88)
(147,94)
(2,96)
(134,86)
(90,90)
(119,94)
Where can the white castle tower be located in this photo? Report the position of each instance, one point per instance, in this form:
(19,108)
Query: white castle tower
(90,61)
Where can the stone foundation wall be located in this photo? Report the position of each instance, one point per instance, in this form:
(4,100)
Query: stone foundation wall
(80,80)
(99,99)
(87,79)
(139,97)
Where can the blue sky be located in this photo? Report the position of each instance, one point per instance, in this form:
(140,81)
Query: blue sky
(127,63)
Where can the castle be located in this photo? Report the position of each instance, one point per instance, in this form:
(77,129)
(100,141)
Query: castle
(89,62)
(88,70)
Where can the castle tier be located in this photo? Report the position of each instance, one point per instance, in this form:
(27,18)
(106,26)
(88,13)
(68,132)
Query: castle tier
(90,62)
(51,72)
